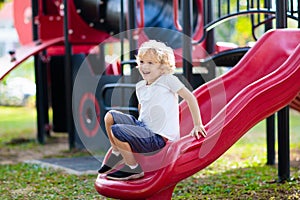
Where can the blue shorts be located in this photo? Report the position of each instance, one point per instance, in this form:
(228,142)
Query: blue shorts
(128,129)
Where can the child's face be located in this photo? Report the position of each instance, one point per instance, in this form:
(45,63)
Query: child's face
(149,68)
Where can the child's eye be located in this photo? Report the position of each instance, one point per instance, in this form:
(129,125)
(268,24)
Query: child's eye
(141,62)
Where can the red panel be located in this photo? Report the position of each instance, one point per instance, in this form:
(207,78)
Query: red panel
(199,29)
(80,31)
(76,49)
(23,20)
(51,7)
(260,84)
(50,20)
(50,26)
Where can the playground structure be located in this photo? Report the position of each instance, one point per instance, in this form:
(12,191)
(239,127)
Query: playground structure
(64,38)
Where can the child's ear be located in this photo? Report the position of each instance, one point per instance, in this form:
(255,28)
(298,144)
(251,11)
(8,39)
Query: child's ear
(162,69)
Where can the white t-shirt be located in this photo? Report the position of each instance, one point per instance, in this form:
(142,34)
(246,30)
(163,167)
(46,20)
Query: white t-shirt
(159,105)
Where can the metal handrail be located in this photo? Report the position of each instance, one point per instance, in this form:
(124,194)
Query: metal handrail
(250,9)
(141,24)
(116,85)
(175,16)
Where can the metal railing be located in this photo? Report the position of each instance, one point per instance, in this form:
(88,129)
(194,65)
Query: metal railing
(219,11)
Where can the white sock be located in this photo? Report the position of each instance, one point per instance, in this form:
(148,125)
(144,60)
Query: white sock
(117,153)
(133,166)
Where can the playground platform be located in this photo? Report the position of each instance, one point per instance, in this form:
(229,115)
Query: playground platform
(75,165)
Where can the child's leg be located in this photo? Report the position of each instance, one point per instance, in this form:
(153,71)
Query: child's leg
(131,169)
(115,117)
(117,145)
(120,149)
(109,121)
(131,139)
(125,150)
(115,158)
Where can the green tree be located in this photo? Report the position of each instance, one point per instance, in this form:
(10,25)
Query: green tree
(1,3)
(237,29)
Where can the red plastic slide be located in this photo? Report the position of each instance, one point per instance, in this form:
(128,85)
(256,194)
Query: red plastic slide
(8,63)
(295,104)
(264,81)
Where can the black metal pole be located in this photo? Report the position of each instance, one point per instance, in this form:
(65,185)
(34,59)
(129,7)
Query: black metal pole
(268,5)
(68,79)
(271,140)
(132,27)
(281,14)
(39,76)
(270,122)
(283,145)
(283,114)
(210,38)
(122,29)
(298,13)
(134,77)
(187,39)
(44,73)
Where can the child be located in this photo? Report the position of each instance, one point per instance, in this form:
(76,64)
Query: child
(158,120)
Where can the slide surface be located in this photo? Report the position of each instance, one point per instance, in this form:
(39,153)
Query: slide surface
(295,104)
(23,53)
(264,81)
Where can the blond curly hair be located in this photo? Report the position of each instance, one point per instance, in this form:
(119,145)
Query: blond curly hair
(160,52)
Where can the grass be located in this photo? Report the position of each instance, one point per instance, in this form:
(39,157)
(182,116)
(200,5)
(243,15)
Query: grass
(240,173)
(253,182)
(16,122)
(30,181)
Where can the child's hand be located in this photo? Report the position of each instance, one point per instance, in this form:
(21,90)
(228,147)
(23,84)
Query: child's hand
(198,129)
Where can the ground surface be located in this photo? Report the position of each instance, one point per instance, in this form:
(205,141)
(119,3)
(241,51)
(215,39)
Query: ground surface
(13,152)
(200,186)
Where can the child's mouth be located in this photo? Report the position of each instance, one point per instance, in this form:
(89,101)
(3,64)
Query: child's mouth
(146,73)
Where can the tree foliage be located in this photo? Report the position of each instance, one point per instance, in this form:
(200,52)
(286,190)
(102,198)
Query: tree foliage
(1,3)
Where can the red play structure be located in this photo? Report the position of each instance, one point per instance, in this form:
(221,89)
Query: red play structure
(70,41)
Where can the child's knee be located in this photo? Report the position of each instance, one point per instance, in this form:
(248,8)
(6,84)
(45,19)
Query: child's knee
(115,129)
(108,118)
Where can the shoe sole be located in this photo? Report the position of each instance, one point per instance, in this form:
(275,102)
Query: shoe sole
(134,176)
(119,163)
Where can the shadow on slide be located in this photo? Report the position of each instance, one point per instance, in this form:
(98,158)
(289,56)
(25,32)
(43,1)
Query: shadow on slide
(264,81)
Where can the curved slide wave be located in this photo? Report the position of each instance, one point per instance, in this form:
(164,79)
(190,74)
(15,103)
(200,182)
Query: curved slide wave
(24,52)
(263,82)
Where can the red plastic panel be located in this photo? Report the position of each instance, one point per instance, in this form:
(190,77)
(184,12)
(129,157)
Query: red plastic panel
(50,26)
(80,31)
(23,20)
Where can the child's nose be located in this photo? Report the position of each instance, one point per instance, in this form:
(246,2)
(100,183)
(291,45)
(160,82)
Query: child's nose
(145,66)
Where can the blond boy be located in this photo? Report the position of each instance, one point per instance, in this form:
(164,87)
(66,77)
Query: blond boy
(158,120)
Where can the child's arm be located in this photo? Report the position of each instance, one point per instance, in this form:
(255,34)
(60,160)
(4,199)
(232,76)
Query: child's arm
(195,111)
